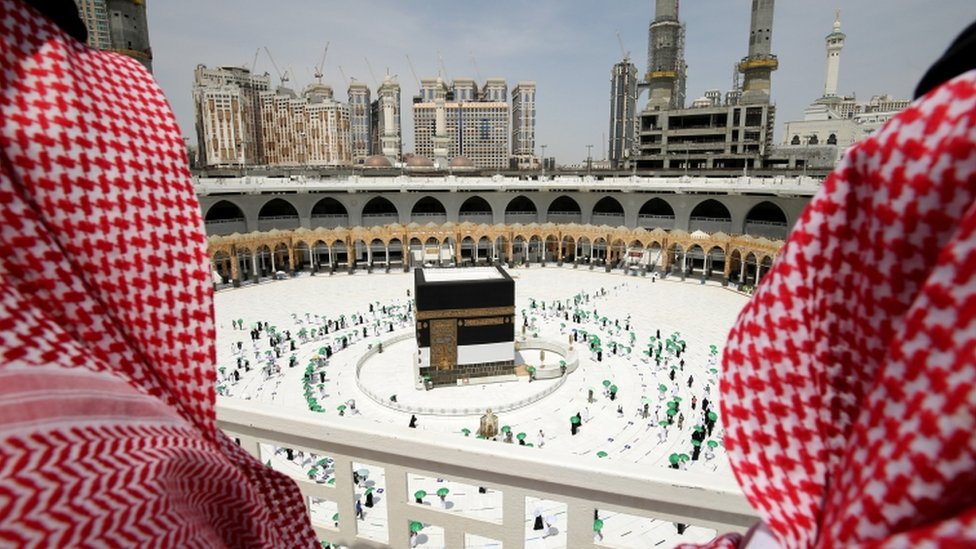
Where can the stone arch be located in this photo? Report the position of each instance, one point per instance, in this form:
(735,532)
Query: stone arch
(766,219)
(476,210)
(564,209)
(585,249)
(394,250)
(225,217)
(710,216)
(340,254)
(656,213)
(428,210)
(469,249)
(245,264)
(329,212)
(552,250)
(377,253)
(676,258)
(483,251)
(568,249)
(263,258)
(221,264)
(608,211)
(734,266)
(379,211)
(617,250)
(277,213)
(282,258)
(715,263)
(303,256)
(321,255)
(521,209)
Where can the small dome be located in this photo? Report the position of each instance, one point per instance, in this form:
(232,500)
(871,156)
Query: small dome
(461,162)
(377,161)
(418,161)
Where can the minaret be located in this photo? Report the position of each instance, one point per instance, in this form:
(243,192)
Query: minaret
(441,140)
(665,58)
(758,67)
(835,43)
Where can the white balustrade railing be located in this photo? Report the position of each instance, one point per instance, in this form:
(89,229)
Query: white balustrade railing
(582,483)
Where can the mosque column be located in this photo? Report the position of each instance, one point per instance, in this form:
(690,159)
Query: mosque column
(386,256)
(254,264)
(728,267)
(684,261)
(369,254)
(457,252)
(235,271)
(291,259)
(273,268)
(509,250)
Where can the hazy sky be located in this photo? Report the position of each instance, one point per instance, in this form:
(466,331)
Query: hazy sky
(567,46)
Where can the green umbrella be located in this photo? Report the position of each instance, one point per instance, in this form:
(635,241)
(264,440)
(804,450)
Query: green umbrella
(506,428)
(341,407)
(601,454)
(683,457)
(312,472)
(562,362)
(420,494)
(663,423)
(331,481)
(677,399)
(613,388)
(673,458)
(699,428)
(606,382)
(368,491)
(712,416)
(466,431)
(416,527)
(520,436)
(672,412)
(713,370)
(712,443)
(663,388)
(335,517)
(442,492)
(672,405)
(268,463)
(696,443)
(574,420)
(644,400)
(531,369)
(322,350)
(597,525)
(529,445)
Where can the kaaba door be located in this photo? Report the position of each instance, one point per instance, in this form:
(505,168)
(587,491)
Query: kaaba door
(443,344)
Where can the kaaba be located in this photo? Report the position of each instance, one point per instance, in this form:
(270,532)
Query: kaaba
(465,324)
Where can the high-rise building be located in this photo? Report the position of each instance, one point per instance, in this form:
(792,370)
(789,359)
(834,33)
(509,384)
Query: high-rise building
(228,122)
(359,119)
(385,126)
(523,126)
(445,128)
(666,67)
(757,68)
(623,112)
(709,136)
(118,25)
(308,131)
(95,15)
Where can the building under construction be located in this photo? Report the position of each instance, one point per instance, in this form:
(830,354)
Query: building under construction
(711,135)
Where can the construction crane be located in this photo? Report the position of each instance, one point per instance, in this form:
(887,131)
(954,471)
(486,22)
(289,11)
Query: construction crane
(255,60)
(440,62)
(477,72)
(623,51)
(283,76)
(318,68)
(412,71)
(371,73)
(344,77)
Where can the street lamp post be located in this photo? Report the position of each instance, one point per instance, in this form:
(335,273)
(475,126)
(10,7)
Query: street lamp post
(543,160)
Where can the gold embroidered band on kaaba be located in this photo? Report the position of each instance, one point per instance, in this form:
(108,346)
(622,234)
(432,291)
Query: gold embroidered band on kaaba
(466,313)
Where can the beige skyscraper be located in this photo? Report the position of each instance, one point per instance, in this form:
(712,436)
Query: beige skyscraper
(118,25)
(523,125)
(228,121)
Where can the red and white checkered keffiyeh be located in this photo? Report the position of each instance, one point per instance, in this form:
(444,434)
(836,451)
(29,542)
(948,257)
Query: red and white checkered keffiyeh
(107,430)
(850,383)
